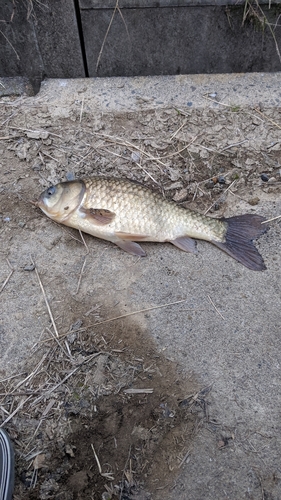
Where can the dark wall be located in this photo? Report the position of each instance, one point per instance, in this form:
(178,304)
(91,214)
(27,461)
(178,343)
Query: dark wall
(194,39)
(72,38)
(40,39)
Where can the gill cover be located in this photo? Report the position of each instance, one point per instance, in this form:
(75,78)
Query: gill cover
(59,202)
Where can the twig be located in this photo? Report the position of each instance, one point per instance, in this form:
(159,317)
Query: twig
(31,375)
(80,275)
(49,156)
(67,354)
(139,391)
(18,57)
(270,220)
(106,34)
(7,279)
(234,144)
(216,201)
(46,300)
(175,133)
(82,107)
(107,475)
(69,233)
(121,317)
(12,376)
(216,102)
(97,460)
(136,312)
(30,130)
(48,392)
(180,151)
(127,144)
(83,240)
(184,458)
(215,307)
(147,173)
(266,117)
(125,466)
(15,411)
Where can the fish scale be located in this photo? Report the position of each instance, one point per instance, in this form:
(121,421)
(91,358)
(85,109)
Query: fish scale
(141,211)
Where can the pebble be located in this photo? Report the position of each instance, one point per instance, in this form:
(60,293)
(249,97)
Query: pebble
(254,201)
(181,195)
(264,177)
(135,157)
(272,180)
(221,179)
(30,267)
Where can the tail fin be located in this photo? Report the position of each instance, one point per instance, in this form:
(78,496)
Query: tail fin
(241,230)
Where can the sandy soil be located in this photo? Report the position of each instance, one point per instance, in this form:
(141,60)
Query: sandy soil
(181,400)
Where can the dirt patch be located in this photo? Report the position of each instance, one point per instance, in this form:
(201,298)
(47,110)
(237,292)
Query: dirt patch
(114,426)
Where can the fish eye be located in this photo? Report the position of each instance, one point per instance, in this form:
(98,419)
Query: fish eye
(51,190)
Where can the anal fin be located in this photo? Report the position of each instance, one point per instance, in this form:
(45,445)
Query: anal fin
(185,243)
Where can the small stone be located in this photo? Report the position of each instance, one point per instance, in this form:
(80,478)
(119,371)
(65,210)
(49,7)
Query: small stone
(33,134)
(256,121)
(221,179)
(135,157)
(272,180)
(69,450)
(264,177)
(174,174)
(254,201)
(21,224)
(39,461)
(30,267)
(181,195)
(106,496)
(77,325)
(37,166)
(71,337)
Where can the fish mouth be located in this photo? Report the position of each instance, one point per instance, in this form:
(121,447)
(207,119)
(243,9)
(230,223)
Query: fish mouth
(40,202)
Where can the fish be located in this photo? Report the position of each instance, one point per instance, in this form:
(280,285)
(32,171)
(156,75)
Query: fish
(127,213)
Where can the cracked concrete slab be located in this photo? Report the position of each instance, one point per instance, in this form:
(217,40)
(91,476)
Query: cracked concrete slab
(226,335)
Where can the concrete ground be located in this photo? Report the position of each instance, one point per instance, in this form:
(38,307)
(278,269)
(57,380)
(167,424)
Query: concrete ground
(226,335)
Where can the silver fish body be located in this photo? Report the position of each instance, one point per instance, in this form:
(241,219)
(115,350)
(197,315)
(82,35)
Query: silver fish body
(125,212)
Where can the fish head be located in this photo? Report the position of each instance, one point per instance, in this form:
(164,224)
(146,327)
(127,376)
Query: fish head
(60,201)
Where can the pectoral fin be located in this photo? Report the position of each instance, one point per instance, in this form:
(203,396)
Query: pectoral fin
(185,243)
(98,216)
